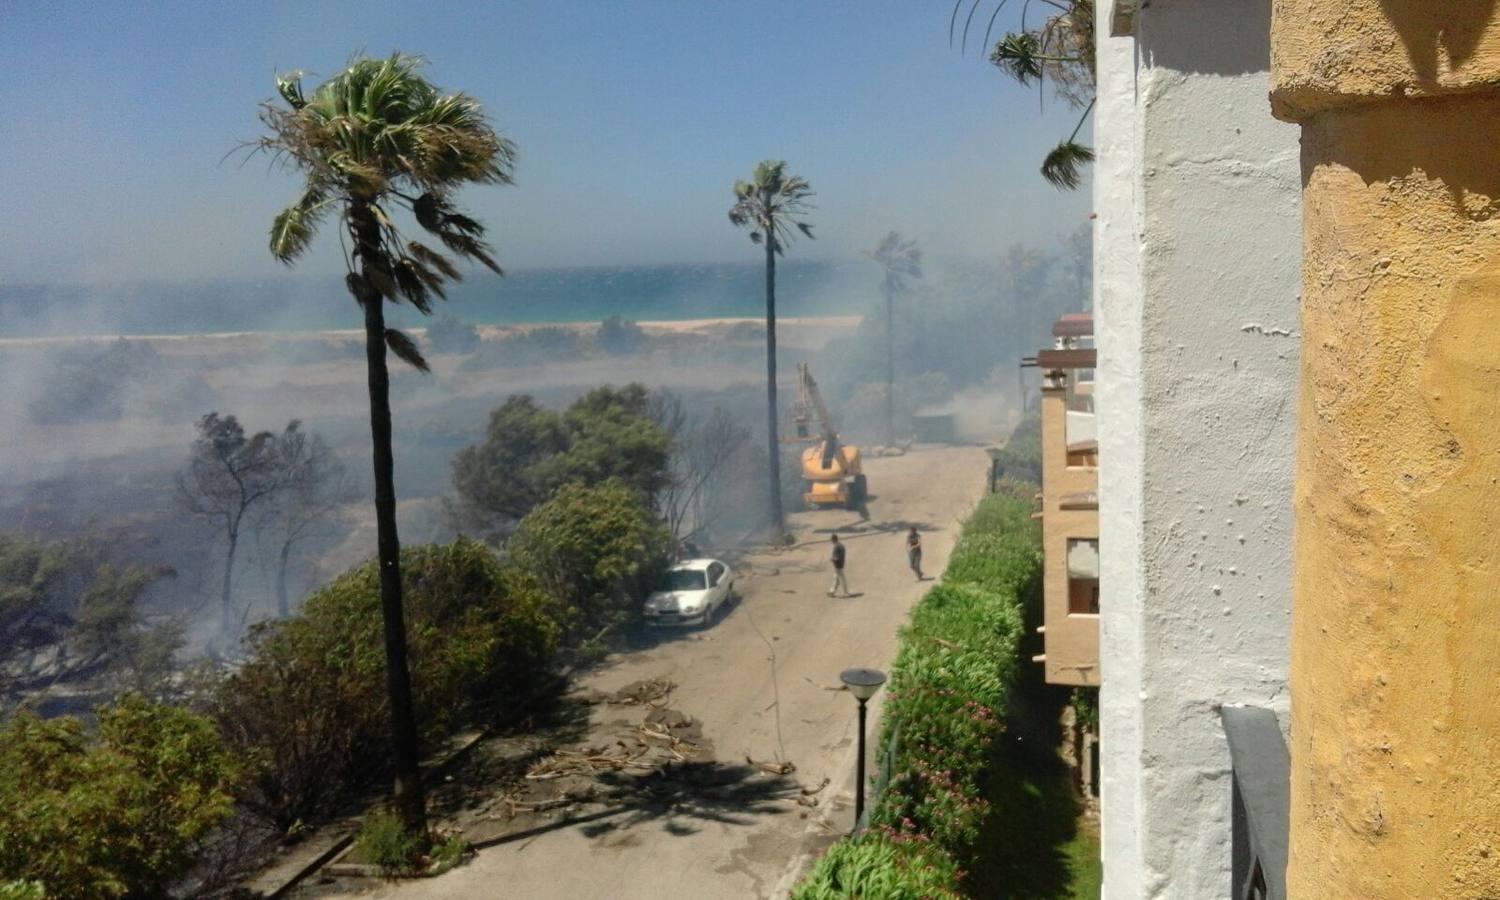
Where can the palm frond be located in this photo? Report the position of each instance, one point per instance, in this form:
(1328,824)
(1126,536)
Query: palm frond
(1019,55)
(1062,165)
(293,228)
(406,350)
(412,287)
(289,86)
(470,247)
(433,259)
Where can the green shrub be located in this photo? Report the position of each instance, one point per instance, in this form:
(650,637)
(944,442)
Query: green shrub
(621,337)
(877,865)
(310,703)
(1021,457)
(449,335)
(530,347)
(384,841)
(596,548)
(120,814)
(22,890)
(528,452)
(949,689)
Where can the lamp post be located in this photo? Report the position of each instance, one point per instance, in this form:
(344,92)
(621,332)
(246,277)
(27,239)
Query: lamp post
(863,684)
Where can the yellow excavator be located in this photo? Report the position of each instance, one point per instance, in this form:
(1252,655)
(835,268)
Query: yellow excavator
(832,469)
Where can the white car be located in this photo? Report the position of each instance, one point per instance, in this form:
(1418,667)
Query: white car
(693,591)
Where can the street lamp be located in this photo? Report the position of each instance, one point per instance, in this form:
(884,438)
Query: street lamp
(863,684)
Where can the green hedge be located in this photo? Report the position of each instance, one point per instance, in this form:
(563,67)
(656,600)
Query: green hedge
(953,674)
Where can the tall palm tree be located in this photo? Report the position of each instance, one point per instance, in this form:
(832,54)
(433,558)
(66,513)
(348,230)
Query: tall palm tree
(375,137)
(769,205)
(901,259)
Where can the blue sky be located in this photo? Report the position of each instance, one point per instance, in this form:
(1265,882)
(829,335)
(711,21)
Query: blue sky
(633,119)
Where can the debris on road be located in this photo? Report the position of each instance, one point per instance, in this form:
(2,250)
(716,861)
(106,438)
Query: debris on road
(639,693)
(773,768)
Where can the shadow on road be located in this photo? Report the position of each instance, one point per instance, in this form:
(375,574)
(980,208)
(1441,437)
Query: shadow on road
(680,799)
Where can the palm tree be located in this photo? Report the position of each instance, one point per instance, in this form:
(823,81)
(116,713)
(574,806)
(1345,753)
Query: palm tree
(375,137)
(901,259)
(769,206)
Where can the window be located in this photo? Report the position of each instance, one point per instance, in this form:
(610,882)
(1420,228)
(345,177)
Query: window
(684,580)
(1083,596)
(1083,576)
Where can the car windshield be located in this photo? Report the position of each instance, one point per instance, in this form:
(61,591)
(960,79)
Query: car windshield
(685,580)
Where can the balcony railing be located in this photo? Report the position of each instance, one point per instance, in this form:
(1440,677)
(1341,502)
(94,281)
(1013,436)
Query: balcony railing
(1262,800)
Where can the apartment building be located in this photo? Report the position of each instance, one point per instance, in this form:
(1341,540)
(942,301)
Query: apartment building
(1069,506)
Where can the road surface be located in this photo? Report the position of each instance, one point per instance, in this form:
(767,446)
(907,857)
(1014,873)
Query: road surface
(758,682)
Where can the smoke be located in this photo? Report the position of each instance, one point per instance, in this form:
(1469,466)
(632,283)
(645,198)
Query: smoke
(93,426)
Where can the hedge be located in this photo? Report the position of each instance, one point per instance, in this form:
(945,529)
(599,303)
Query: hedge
(953,674)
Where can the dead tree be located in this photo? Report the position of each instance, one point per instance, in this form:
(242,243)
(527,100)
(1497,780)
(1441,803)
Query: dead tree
(226,477)
(701,450)
(314,487)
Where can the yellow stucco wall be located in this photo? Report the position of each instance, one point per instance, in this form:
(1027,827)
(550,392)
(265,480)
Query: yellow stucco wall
(1327,54)
(1395,680)
(1072,642)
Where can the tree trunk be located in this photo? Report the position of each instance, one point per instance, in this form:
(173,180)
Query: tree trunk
(778,518)
(409,801)
(283,605)
(226,612)
(890,363)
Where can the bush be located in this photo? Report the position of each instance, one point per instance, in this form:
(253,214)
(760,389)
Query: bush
(88,384)
(598,549)
(384,841)
(529,452)
(68,616)
(621,337)
(878,865)
(449,335)
(119,815)
(949,690)
(532,347)
(1021,457)
(310,703)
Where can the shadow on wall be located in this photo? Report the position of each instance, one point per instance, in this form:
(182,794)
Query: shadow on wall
(1427,26)
(1428,149)
(1211,37)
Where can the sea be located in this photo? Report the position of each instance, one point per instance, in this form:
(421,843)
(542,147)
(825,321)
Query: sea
(296,302)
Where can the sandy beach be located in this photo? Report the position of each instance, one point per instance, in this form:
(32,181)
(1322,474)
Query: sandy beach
(791,327)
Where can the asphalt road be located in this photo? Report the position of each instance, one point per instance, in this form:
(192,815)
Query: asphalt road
(759,682)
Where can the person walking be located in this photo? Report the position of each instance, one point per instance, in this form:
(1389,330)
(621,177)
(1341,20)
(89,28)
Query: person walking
(914,551)
(839,582)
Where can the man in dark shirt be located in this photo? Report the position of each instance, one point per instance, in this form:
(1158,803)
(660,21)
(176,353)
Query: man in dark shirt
(839,584)
(914,551)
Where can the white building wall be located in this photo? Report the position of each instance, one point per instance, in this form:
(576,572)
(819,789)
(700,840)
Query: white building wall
(1117,408)
(1196,328)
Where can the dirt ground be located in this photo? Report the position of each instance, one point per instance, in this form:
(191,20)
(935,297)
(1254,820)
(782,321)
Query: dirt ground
(735,760)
